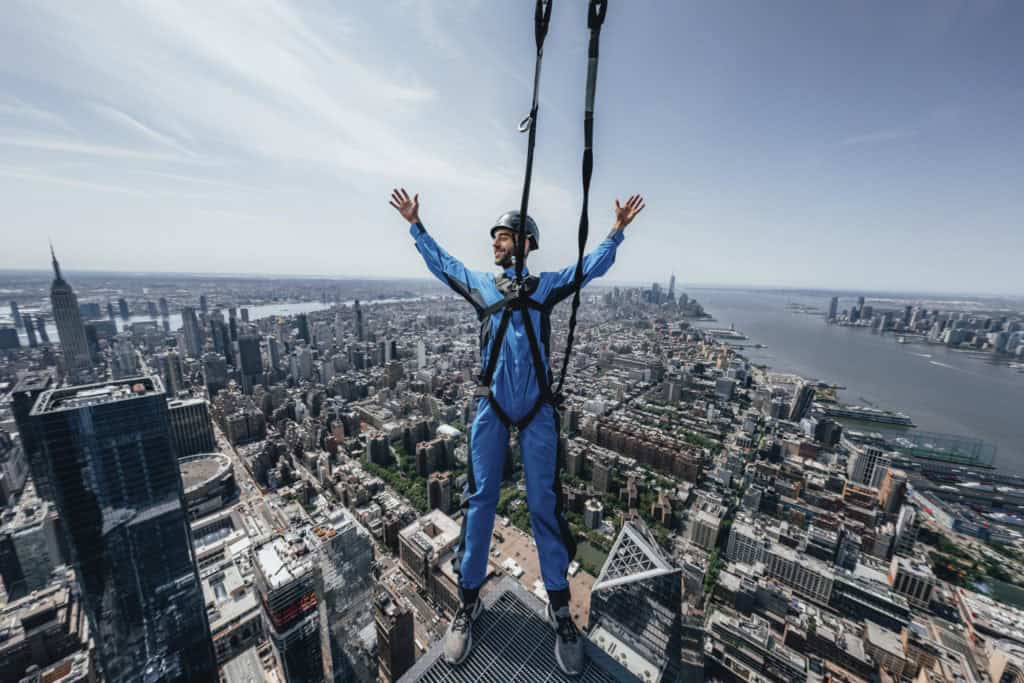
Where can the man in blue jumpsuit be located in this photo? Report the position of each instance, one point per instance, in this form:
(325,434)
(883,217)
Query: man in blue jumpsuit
(516,398)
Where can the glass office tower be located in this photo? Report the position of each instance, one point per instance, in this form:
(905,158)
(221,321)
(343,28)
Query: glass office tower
(117,486)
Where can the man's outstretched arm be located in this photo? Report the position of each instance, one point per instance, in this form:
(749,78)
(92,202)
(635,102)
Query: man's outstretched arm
(597,262)
(443,265)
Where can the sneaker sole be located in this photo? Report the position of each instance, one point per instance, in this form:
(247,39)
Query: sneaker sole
(469,644)
(460,660)
(558,659)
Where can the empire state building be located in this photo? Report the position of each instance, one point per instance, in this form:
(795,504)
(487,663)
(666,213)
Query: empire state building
(69,324)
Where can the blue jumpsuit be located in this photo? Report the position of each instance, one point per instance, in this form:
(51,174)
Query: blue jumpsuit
(516,389)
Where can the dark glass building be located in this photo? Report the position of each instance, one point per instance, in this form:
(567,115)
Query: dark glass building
(303,324)
(23,397)
(117,487)
(193,332)
(636,606)
(251,361)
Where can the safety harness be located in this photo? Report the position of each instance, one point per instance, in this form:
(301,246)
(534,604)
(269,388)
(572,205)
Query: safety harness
(516,291)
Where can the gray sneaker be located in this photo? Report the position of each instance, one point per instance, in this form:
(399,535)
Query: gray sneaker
(459,639)
(569,652)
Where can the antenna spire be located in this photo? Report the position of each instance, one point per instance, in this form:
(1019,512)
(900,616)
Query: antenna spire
(56,266)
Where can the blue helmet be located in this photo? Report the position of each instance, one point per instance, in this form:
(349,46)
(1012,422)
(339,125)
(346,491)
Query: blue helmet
(510,221)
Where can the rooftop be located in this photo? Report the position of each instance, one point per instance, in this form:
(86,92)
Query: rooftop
(634,556)
(433,531)
(282,561)
(227,595)
(512,642)
(88,395)
(29,511)
(199,469)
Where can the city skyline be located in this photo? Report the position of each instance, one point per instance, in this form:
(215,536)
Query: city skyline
(270,480)
(845,292)
(782,157)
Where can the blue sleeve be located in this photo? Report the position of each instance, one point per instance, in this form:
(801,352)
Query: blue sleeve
(595,264)
(443,265)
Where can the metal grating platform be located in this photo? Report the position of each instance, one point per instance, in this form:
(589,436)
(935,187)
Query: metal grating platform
(512,643)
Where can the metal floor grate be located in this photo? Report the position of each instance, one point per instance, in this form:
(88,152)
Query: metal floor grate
(512,643)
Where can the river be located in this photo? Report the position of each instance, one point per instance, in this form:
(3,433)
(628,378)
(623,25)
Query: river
(943,390)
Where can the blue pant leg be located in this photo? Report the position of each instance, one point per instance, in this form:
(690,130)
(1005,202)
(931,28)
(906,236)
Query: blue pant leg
(488,448)
(539,445)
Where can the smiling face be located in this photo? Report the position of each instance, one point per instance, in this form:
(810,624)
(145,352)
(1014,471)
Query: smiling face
(504,245)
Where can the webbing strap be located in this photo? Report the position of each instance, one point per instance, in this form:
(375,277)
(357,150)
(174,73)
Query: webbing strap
(541,19)
(595,19)
(492,360)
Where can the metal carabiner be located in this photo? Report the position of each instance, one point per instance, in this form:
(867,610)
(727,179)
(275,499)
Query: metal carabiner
(526,123)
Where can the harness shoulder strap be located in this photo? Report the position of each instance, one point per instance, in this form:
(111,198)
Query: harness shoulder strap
(595,19)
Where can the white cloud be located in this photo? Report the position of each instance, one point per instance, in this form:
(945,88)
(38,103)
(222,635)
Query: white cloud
(72,147)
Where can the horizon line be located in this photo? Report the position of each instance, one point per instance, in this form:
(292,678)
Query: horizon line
(736,286)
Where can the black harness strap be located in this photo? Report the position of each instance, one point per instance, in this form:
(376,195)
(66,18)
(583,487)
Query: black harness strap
(541,19)
(492,360)
(520,295)
(595,18)
(519,298)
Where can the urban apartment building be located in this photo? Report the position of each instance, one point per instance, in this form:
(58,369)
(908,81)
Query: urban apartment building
(43,628)
(395,636)
(424,542)
(117,488)
(806,575)
(746,544)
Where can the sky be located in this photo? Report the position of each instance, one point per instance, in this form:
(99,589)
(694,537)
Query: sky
(872,145)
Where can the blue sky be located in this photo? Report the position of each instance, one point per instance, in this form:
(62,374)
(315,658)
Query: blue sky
(866,145)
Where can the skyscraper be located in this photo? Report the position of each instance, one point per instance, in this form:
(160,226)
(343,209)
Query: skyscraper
(203,304)
(193,333)
(636,604)
(303,326)
(122,306)
(867,465)
(286,577)
(833,308)
(117,487)
(345,557)
(23,397)
(15,314)
(191,427)
(395,637)
(9,338)
(168,364)
(251,361)
(44,338)
(803,397)
(165,311)
(70,329)
(672,287)
(30,330)
(439,491)
(360,330)
(215,373)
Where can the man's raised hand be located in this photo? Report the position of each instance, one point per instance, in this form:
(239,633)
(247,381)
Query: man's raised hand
(409,208)
(624,215)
